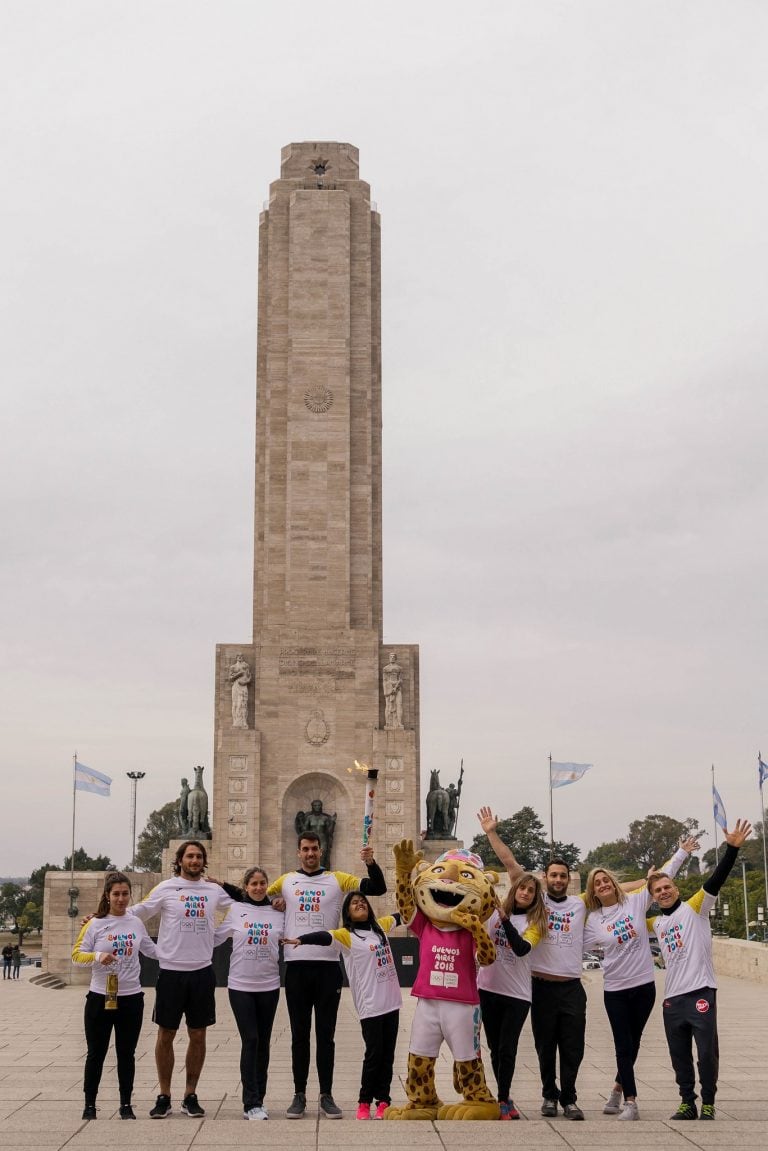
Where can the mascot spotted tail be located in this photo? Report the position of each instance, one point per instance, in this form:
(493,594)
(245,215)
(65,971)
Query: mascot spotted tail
(446,904)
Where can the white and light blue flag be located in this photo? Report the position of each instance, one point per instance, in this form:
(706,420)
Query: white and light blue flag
(561,774)
(86,779)
(762,771)
(718,807)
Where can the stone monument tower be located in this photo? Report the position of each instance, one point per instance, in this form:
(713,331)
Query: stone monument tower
(316,689)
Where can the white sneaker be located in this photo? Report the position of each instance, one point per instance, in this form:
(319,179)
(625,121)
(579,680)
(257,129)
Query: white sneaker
(255,1113)
(613,1106)
(630,1111)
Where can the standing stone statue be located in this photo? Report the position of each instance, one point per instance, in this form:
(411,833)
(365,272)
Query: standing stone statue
(443,807)
(183,812)
(392,684)
(322,824)
(197,808)
(239,676)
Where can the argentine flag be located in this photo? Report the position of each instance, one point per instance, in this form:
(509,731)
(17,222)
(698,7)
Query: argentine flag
(86,779)
(718,808)
(561,774)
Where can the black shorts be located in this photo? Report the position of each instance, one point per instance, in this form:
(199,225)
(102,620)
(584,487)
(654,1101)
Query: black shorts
(191,994)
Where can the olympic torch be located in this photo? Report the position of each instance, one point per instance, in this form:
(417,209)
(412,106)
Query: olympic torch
(372,774)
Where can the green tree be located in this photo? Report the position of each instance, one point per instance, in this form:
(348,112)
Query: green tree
(161,827)
(86,862)
(524,834)
(13,900)
(36,890)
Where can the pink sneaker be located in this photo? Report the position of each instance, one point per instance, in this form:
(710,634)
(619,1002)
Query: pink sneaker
(363,1111)
(380,1109)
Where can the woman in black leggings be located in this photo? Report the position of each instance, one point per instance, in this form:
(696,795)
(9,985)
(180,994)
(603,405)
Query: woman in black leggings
(256,929)
(110,943)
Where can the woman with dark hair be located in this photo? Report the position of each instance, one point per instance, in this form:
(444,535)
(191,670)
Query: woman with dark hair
(505,986)
(375,992)
(256,929)
(110,943)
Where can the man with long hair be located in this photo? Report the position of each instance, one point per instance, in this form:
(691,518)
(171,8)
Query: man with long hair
(186,985)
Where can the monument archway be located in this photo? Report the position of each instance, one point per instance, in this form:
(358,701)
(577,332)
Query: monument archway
(335,799)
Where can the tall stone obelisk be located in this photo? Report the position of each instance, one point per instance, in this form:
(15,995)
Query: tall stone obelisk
(316,689)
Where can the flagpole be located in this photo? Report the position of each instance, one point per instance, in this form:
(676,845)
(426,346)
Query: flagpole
(72,859)
(717,849)
(551,814)
(762,820)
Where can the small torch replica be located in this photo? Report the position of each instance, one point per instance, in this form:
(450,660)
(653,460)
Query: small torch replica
(372,774)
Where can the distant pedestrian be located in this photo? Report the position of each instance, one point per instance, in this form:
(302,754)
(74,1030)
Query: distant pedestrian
(7,958)
(16,961)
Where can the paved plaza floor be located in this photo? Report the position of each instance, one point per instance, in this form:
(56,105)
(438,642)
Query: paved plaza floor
(41,1067)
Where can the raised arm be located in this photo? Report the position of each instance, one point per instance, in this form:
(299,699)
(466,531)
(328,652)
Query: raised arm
(489,822)
(734,840)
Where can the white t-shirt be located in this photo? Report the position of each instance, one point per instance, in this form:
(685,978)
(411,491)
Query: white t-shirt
(560,950)
(622,932)
(370,969)
(256,933)
(121,936)
(312,903)
(187,910)
(686,944)
(509,974)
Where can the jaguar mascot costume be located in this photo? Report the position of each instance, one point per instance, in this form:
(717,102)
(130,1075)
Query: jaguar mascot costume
(445,904)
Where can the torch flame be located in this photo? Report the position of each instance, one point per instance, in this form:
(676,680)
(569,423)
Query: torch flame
(358,767)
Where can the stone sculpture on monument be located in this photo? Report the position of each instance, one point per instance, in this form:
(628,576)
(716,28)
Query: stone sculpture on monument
(239,677)
(322,824)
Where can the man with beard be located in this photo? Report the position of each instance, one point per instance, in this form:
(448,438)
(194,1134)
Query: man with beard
(187,905)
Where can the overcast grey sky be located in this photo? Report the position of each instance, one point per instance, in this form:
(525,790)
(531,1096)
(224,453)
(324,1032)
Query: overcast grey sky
(575,243)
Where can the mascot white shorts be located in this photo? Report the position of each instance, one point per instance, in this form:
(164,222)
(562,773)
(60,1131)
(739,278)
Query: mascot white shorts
(436,1021)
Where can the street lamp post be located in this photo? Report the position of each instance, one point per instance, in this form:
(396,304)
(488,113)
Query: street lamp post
(134,777)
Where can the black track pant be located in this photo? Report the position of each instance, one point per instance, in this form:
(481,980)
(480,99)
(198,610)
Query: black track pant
(558,1021)
(687,1018)
(126,1022)
(503,1019)
(380,1036)
(254,1013)
(313,985)
(628,1012)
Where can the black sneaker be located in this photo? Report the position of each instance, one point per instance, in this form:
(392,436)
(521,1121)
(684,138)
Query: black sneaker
(126,1111)
(297,1107)
(686,1111)
(89,1111)
(549,1108)
(572,1111)
(329,1108)
(190,1106)
(707,1111)
(161,1108)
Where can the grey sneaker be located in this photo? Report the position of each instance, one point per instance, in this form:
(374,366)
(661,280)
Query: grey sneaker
(329,1108)
(255,1113)
(613,1106)
(571,1111)
(297,1107)
(549,1108)
(630,1111)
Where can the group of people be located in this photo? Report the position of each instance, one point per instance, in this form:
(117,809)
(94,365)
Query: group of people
(302,909)
(540,932)
(539,969)
(11,961)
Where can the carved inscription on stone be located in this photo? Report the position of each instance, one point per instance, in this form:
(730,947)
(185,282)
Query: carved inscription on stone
(317,730)
(394,807)
(236,854)
(237,807)
(316,670)
(395,831)
(394,763)
(394,785)
(237,830)
(238,762)
(238,786)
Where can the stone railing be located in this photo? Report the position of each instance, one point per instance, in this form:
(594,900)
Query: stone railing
(740,959)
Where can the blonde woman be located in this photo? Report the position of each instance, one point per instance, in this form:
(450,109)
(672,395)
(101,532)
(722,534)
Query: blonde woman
(505,986)
(616,922)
